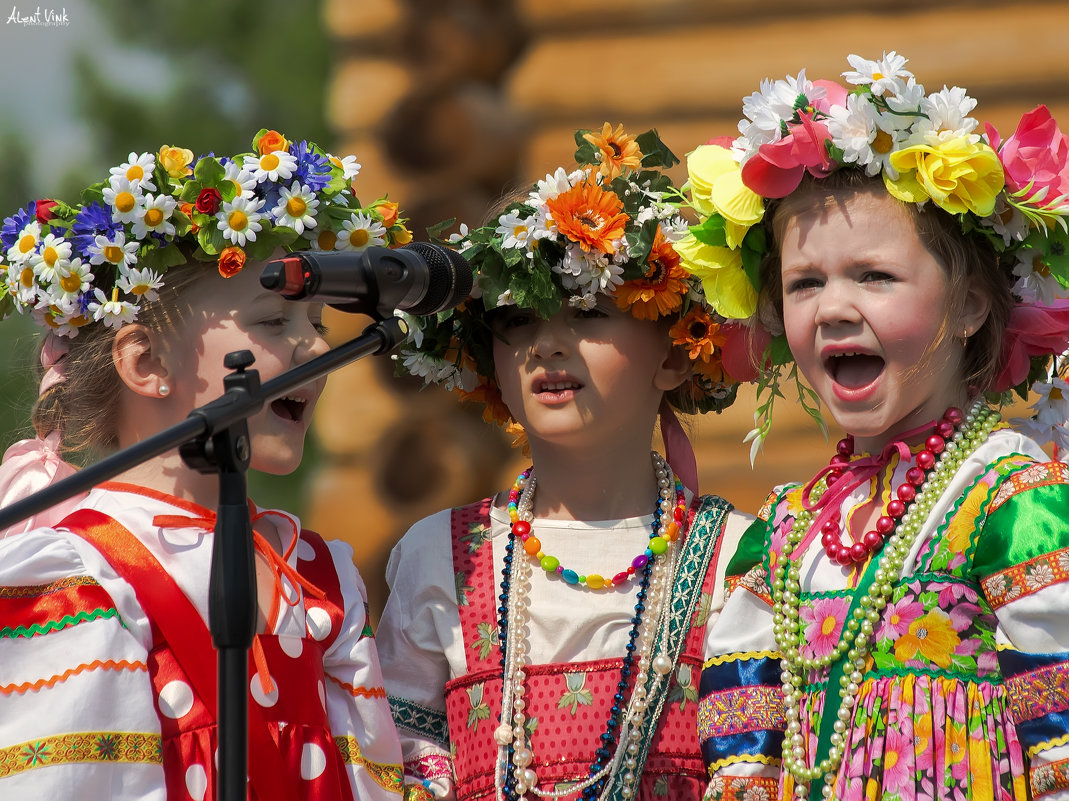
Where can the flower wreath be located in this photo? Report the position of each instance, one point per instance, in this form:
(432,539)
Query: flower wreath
(926,147)
(606,228)
(70,266)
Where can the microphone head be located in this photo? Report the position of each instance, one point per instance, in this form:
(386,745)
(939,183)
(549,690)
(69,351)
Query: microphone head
(451,278)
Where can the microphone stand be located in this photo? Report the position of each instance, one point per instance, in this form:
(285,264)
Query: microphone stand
(214,438)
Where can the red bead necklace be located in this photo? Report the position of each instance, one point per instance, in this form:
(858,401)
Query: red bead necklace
(858,552)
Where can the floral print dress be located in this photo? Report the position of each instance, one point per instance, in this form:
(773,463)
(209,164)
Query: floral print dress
(966,688)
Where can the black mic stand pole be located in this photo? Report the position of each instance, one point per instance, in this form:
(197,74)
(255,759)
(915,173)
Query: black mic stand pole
(214,438)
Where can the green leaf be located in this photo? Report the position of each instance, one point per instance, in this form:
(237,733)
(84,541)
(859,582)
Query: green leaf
(754,247)
(654,152)
(585,152)
(640,242)
(438,231)
(160,259)
(711,232)
(209,172)
(778,351)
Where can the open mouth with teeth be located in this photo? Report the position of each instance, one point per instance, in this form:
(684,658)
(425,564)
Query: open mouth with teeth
(289,408)
(563,389)
(854,370)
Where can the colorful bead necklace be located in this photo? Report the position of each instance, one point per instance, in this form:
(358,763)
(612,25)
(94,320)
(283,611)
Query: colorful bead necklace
(661,537)
(514,777)
(854,642)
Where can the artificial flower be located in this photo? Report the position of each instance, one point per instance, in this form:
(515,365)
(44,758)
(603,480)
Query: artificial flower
(209,200)
(272,166)
(231,261)
(726,284)
(387,210)
(296,207)
(1036,161)
(271,141)
(175,160)
(141,283)
(882,76)
(958,175)
(1051,407)
(360,232)
(124,199)
(715,182)
(70,282)
(244,182)
(590,216)
(349,166)
(1033,330)
(618,152)
(239,220)
(154,215)
(25,244)
(114,313)
(515,230)
(45,210)
(54,255)
(400,236)
(137,170)
(698,334)
(115,250)
(660,291)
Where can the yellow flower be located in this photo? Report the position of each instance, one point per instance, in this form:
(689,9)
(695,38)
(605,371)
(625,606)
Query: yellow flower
(399,235)
(957,174)
(726,285)
(716,187)
(932,635)
(176,160)
(963,526)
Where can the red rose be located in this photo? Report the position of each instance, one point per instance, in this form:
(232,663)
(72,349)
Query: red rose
(208,201)
(231,260)
(44,210)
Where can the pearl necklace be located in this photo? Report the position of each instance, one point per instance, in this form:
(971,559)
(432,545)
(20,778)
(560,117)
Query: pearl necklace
(786,596)
(650,630)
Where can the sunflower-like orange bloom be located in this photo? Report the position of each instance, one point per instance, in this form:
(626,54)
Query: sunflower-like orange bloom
(487,393)
(619,152)
(589,216)
(660,291)
(698,334)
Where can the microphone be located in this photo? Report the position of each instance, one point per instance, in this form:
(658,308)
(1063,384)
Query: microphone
(419,278)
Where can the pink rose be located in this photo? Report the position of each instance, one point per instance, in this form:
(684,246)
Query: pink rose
(777,167)
(1033,330)
(1036,153)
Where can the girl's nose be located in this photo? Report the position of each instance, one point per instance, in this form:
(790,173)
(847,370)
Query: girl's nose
(551,338)
(836,304)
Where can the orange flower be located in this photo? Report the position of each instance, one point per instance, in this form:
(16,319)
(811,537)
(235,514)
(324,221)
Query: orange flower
(488,393)
(386,209)
(933,636)
(619,152)
(589,216)
(270,142)
(231,260)
(187,209)
(698,334)
(660,291)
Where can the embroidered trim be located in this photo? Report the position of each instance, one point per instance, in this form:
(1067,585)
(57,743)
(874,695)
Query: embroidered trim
(1019,581)
(1038,748)
(740,710)
(742,788)
(1049,778)
(422,720)
(739,656)
(111,664)
(417,792)
(389,777)
(434,766)
(64,622)
(359,692)
(743,759)
(36,590)
(1037,475)
(82,747)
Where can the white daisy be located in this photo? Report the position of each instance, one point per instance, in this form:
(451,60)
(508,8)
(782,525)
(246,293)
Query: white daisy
(554,184)
(113,251)
(1052,404)
(137,170)
(586,301)
(360,232)
(124,199)
(239,219)
(22,285)
(946,117)
(576,261)
(515,230)
(775,103)
(349,165)
(882,77)
(244,181)
(908,99)
(461,234)
(271,166)
(1034,282)
(424,365)
(155,216)
(604,276)
(866,135)
(25,244)
(67,324)
(69,283)
(54,255)
(113,313)
(143,283)
(674,228)
(1008,222)
(296,207)
(505,299)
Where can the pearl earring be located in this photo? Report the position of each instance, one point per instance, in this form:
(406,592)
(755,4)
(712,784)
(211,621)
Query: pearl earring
(164,390)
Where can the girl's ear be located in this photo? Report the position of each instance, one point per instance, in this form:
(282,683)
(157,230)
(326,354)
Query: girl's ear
(674,370)
(974,310)
(137,361)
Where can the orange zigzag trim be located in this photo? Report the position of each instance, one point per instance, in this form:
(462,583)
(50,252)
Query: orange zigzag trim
(360,692)
(111,664)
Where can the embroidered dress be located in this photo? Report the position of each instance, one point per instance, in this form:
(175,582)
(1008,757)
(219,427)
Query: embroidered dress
(438,640)
(107,674)
(966,690)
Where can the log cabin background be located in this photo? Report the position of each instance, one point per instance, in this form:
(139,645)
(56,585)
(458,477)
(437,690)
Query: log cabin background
(449,104)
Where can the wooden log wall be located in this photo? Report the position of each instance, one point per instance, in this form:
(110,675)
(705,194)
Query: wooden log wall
(449,104)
